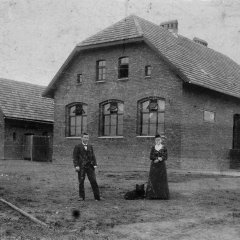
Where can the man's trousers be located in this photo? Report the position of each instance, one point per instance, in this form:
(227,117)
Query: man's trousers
(90,171)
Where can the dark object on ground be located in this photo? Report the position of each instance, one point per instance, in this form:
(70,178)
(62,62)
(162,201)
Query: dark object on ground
(138,193)
(75,213)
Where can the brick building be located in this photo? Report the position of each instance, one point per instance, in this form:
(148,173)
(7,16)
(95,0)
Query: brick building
(136,78)
(23,112)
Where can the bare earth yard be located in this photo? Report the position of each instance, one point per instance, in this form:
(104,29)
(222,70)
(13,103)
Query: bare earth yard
(201,206)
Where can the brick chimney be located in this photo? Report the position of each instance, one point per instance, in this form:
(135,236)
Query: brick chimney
(200,41)
(171,26)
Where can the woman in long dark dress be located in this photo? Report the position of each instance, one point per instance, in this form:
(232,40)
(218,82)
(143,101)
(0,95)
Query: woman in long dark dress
(157,187)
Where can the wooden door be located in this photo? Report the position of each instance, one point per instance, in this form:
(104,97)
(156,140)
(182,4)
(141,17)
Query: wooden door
(236,131)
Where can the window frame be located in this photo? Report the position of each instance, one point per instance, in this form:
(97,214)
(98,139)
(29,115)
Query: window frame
(147,67)
(123,67)
(140,117)
(68,120)
(102,70)
(79,78)
(102,119)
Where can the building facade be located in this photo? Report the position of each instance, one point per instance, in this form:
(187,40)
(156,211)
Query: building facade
(133,80)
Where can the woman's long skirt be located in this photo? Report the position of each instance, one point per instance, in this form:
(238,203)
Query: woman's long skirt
(157,187)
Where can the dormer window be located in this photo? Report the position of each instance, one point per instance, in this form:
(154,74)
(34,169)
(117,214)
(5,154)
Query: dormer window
(148,71)
(101,70)
(79,78)
(123,67)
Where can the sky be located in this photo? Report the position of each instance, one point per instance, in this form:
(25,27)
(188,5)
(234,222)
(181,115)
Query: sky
(36,36)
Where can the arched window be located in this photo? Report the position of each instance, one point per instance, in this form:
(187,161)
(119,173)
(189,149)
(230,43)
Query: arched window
(111,118)
(151,116)
(76,119)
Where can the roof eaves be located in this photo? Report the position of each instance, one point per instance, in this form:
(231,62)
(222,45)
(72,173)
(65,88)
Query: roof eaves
(214,89)
(49,121)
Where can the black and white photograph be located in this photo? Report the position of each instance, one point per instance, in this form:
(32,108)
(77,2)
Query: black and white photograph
(119,119)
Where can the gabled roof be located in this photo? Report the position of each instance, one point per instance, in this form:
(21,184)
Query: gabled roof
(20,100)
(195,63)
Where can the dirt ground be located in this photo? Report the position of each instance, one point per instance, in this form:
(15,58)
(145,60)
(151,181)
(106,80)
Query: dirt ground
(201,206)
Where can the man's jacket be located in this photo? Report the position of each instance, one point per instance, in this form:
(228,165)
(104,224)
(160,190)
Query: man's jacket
(82,157)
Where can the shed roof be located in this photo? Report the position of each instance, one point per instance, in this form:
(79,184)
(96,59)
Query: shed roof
(21,100)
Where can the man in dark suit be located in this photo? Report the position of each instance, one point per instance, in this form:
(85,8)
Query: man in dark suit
(84,162)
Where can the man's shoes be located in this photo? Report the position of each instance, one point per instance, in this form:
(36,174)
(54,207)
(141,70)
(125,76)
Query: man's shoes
(81,199)
(99,199)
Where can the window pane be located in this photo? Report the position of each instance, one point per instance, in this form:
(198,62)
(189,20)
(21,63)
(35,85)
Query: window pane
(120,129)
(84,123)
(106,130)
(84,109)
(72,111)
(123,73)
(160,117)
(107,120)
(161,105)
(78,131)
(72,121)
(124,60)
(144,106)
(120,107)
(78,121)
(107,108)
(153,117)
(103,76)
(145,129)
(113,130)
(114,119)
(152,130)
(72,131)
(160,128)
(120,119)
(148,70)
(145,118)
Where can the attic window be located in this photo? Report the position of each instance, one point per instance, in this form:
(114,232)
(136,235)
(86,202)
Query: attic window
(123,66)
(79,78)
(148,71)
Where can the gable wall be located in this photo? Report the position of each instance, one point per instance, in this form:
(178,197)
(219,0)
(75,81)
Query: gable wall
(130,151)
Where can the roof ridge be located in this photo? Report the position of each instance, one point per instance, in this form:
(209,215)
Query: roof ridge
(137,24)
(132,16)
(22,82)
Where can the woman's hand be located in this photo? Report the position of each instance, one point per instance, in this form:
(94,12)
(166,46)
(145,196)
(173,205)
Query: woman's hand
(160,158)
(156,161)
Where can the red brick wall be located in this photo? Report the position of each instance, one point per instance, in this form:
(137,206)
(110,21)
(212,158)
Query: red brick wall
(130,152)
(13,149)
(206,145)
(1,135)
